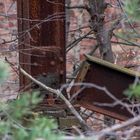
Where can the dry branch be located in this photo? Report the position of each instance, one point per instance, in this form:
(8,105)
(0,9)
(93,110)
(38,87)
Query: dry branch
(59,94)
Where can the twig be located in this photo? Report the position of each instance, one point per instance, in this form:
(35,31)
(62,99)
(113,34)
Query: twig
(78,7)
(75,42)
(128,41)
(123,125)
(12,66)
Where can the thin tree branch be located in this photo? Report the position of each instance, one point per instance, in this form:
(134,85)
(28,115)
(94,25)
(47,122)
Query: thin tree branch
(78,7)
(59,94)
(121,126)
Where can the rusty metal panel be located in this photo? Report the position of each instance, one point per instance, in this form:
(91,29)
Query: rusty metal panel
(23,25)
(42,37)
(115,79)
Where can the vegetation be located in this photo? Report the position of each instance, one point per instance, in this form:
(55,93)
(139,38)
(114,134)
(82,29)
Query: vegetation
(19,122)
(3,71)
(132,8)
(133,91)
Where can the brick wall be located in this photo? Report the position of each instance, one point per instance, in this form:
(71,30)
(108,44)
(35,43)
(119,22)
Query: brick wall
(8,32)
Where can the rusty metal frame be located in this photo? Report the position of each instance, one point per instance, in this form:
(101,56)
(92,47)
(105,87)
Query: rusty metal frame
(41,41)
(104,74)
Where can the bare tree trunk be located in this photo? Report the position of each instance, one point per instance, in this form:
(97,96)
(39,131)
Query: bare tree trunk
(103,35)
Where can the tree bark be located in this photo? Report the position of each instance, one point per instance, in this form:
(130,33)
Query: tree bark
(103,35)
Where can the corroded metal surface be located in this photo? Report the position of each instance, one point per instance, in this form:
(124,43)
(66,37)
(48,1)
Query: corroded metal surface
(115,79)
(41,27)
(23,25)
